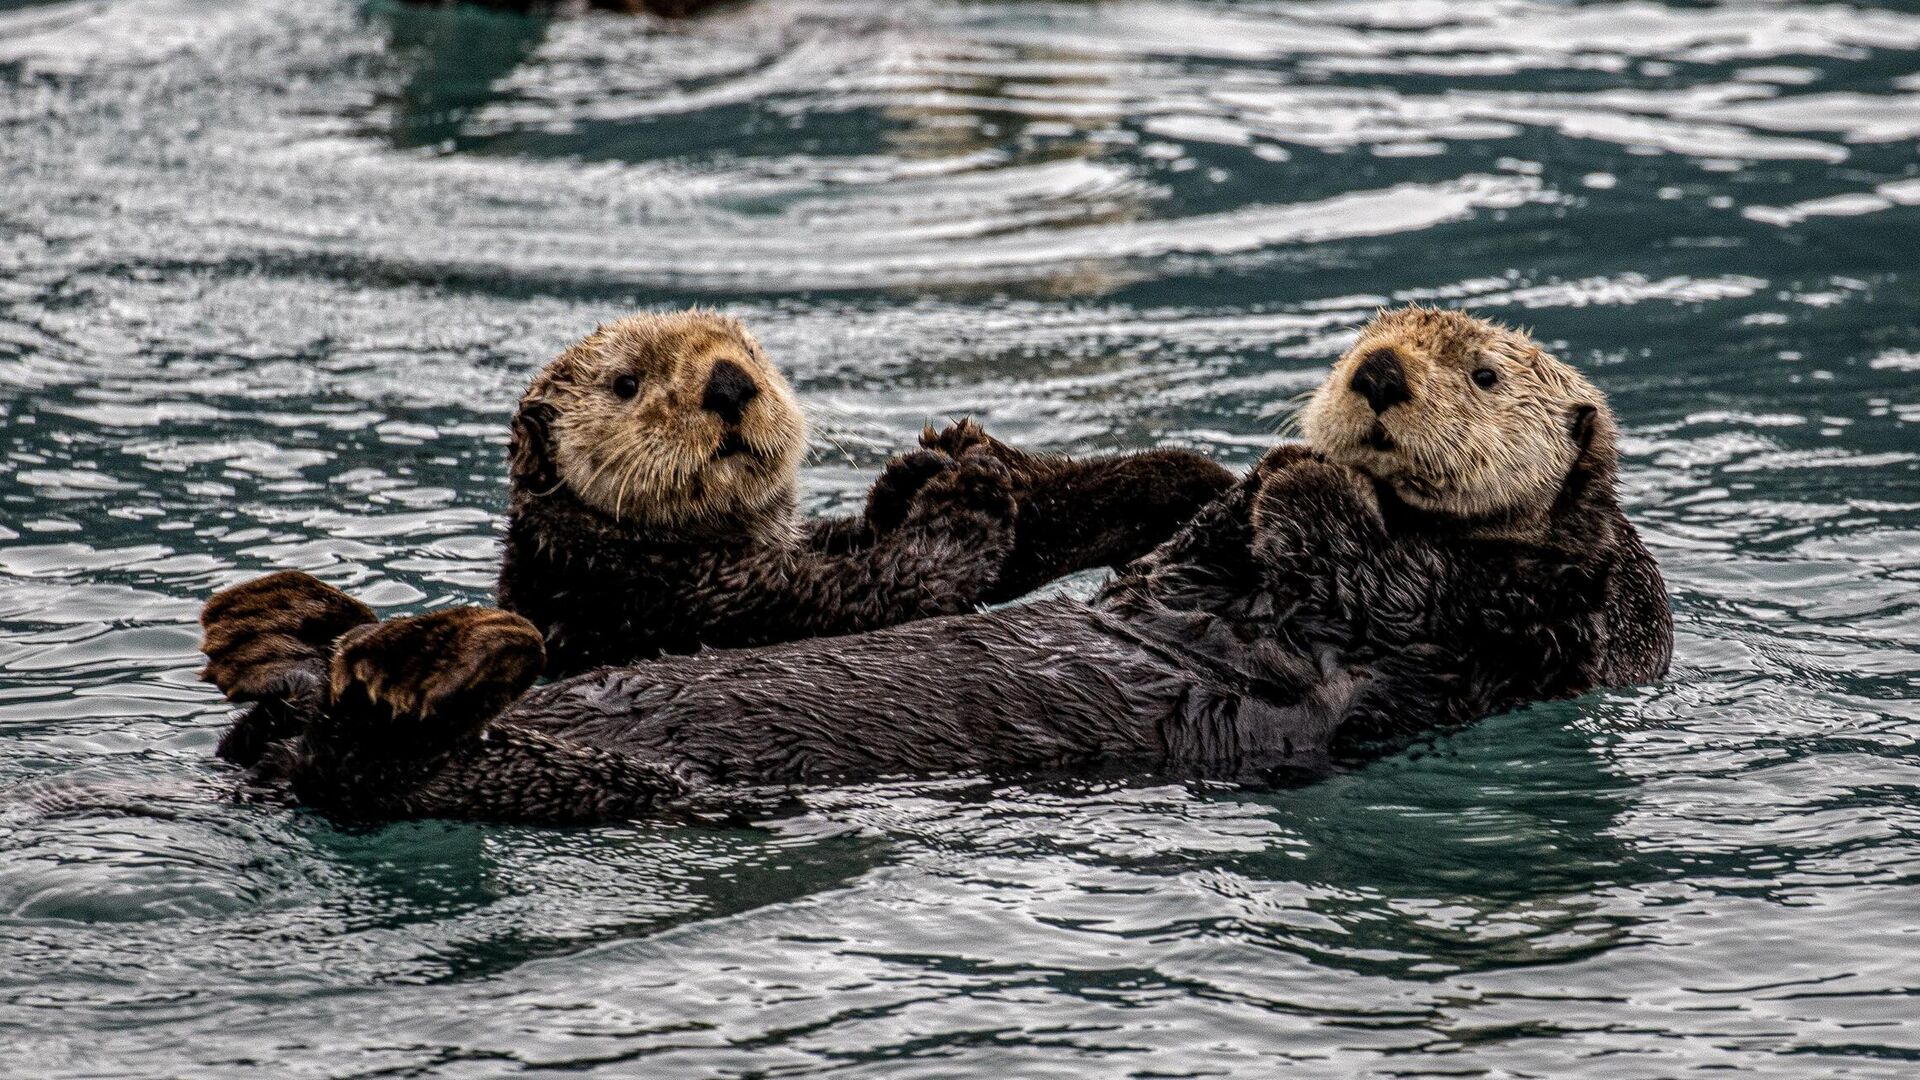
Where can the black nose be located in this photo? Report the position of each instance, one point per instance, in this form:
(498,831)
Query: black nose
(729,389)
(1381,380)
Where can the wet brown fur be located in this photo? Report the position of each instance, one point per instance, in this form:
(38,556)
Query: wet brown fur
(267,642)
(478,661)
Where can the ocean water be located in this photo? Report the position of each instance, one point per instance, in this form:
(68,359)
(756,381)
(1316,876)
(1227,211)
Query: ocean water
(272,274)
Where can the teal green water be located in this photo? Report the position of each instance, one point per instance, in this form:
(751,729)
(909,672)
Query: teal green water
(271,274)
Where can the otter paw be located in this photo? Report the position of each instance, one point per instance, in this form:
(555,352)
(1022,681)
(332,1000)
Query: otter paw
(1284,457)
(259,636)
(1315,493)
(462,664)
(962,437)
(956,438)
(891,498)
(979,485)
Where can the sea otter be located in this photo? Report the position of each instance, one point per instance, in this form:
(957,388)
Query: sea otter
(654,507)
(1447,545)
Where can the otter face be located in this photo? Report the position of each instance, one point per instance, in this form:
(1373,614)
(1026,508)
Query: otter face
(664,420)
(1458,416)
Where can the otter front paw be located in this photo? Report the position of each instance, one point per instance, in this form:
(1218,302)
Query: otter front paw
(956,438)
(900,482)
(1285,457)
(980,487)
(1316,494)
(961,437)
(265,638)
(460,666)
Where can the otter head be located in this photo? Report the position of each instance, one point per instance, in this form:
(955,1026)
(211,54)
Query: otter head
(1461,417)
(662,421)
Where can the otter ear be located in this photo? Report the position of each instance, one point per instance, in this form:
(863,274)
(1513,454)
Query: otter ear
(1592,452)
(1581,427)
(530,448)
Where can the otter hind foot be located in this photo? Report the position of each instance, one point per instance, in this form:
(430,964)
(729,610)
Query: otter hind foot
(459,666)
(403,738)
(269,638)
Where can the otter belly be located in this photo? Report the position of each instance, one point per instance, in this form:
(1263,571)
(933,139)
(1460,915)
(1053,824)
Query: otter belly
(1039,686)
(1046,686)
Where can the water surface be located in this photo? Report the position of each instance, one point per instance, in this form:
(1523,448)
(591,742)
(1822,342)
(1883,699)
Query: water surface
(272,274)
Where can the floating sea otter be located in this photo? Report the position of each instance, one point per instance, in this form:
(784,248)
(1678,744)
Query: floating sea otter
(654,507)
(1446,546)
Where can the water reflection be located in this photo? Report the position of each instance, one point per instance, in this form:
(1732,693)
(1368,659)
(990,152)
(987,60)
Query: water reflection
(455,55)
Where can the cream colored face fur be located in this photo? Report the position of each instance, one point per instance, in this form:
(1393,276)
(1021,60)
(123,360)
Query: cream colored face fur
(1456,446)
(659,456)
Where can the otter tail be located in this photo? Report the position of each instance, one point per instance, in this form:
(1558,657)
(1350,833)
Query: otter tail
(267,644)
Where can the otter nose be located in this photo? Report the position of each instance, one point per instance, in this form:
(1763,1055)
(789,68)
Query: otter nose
(1381,380)
(729,389)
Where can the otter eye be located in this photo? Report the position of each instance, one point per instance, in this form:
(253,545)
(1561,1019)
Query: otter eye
(626,386)
(1485,377)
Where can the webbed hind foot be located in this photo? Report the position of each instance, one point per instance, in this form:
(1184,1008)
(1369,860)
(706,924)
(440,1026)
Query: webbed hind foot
(267,643)
(270,637)
(406,735)
(456,668)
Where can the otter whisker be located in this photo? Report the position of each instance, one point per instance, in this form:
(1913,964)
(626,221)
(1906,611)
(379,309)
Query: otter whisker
(841,418)
(620,492)
(1294,412)
(819,406)
(591,483)
(621,478)
(845,454)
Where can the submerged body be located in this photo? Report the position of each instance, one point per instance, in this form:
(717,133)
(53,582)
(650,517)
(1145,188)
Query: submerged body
(1336,602)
